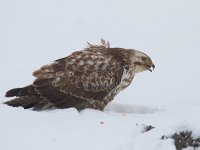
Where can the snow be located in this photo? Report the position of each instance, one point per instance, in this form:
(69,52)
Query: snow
(33,33)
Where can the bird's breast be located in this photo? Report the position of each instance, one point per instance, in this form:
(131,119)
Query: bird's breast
(126,80)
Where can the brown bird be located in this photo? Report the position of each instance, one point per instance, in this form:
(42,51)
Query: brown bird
(89,78)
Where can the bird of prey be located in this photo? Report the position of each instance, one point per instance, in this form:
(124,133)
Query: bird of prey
(89,78)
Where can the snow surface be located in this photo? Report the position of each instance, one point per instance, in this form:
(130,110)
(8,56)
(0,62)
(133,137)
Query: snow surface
(33,33)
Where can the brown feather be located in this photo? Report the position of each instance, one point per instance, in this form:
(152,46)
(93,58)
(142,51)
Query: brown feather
(85,79)
(24,101)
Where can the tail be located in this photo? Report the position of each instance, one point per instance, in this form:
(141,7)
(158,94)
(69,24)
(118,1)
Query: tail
(24,101)
(25,97)
(25,91)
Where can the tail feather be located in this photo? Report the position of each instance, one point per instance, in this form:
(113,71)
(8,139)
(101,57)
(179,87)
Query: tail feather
(24,101)
(27,97)
(25,91)
(13,92)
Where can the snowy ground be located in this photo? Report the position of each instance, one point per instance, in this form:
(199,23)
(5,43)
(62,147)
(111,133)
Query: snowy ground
(33,33)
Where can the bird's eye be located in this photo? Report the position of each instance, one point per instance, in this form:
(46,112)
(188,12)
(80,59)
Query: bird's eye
(143,58)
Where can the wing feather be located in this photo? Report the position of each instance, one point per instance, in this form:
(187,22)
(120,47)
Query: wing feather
(84,75)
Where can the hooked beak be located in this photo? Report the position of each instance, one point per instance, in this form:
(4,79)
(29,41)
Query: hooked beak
(151,68)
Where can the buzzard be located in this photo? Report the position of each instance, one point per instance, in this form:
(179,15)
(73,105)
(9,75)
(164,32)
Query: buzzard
(89,78)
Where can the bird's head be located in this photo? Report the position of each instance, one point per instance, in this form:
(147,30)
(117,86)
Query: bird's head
(142,62)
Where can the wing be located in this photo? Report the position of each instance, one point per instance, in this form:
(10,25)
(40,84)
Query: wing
(84,75)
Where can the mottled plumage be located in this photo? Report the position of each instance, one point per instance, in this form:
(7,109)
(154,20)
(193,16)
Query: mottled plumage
(90,78)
